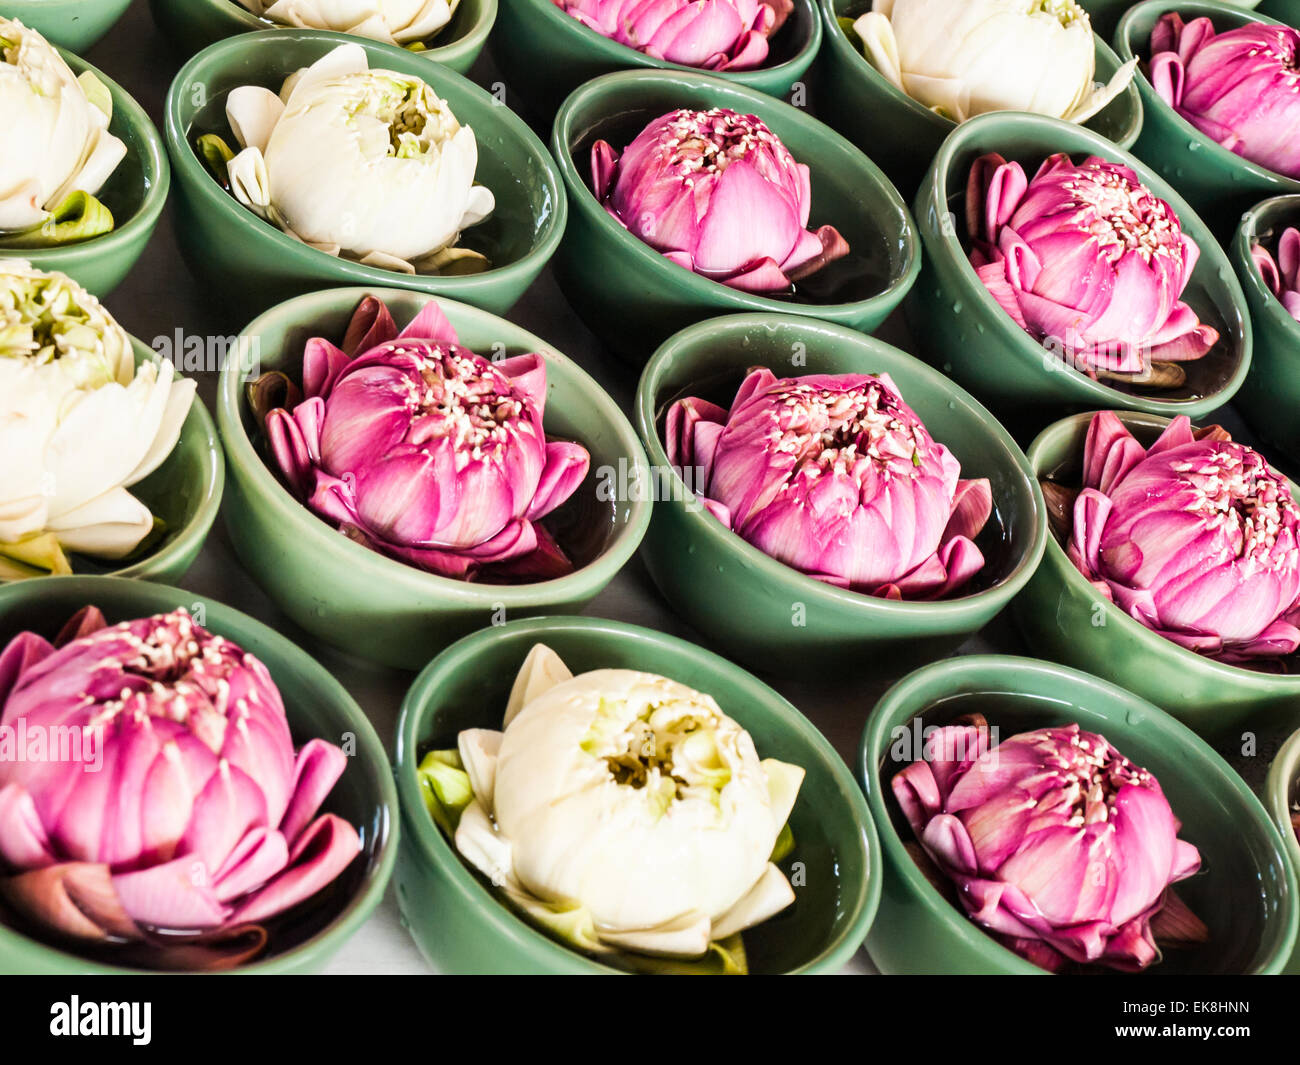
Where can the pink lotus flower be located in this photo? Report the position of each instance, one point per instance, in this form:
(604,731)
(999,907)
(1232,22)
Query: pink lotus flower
(709,34)
(1282,275)
(834,475)
(1054,840)
(1086,259)
(1194,538)
(718,193)
(1240,88)
(200,818)
(425,451)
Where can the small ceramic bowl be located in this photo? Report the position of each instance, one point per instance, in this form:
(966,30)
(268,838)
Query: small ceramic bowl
(71,24)
(1219,184)
(633,297)
(135,193)
(1280,796)
(316,705)
(771,616)
(961,328)
(1105,14)
(1271,394)
(462,926)
(1245,893)
(192,25)
(545,53)
(371,605)
(253,264)
(1063,617)
(902,134)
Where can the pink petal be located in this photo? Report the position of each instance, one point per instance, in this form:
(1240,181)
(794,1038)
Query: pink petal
(318,769)
(176,895)
(323,851)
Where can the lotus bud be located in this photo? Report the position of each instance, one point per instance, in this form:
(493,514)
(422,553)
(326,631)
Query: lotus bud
(1281,275)
(403,22)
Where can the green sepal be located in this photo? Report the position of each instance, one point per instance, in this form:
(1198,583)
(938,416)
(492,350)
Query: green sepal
(446,788)
(79,217)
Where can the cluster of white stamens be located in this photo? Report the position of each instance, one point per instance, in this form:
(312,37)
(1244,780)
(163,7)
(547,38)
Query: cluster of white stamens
(1122,214)
(1090,775)
(705,143)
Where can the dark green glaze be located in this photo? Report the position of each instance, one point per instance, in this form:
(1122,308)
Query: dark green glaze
(461,926)
(371,605)
(253,264)
(316,705)
(1063,617)
(902,135)
(192,25)
(633,297)
(71,24)
(961,329)
(1246,893)
(1287,11)
(771,616)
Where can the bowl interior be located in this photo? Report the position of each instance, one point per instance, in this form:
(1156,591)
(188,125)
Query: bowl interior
(1282,792)
(511,161)
(1212,292)
(1244,891)
(468,685)
(848,191)
(316,705)
(1264,224)
(586,525)
(712,359)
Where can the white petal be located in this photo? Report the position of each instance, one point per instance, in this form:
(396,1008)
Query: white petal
(249,181)
(783,783)
(478,749)
(765,899)
(1101,96)
(877,35)
(686,937)
(345,59)
(483,847)
(542,670)
(109,526)
(252,112)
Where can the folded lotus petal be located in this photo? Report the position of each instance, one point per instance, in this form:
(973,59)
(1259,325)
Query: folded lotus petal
(918,794)
(19,656)
(527,374)
(324,849)
(430,324)
(684,425)
(948,842)
(259,856)
(566,467)
(709,34)
(318,769)
(23,843)
(972,506)
(74,899)
(229,805)
(371,325)
(252,112)
(322,365)
(175,895)
(1281,275)
(813,251)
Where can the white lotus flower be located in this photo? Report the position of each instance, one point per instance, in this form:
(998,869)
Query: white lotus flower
(399,22)
(965,57)
(79,424)
(365,162)
(56,138)
(625,811)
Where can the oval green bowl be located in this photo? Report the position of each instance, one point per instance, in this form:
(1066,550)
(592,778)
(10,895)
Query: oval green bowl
(792,623)
(462,926)
(1064,618)
(316,706)
(1246,894)
(135,193)
(1218,183)
(371,605)
(1280,796)
(903,135)
(253,264)
(1271,394)
(192,25)
(545,53)
(1105,14)
(633,298)
(71,24)
(961,328)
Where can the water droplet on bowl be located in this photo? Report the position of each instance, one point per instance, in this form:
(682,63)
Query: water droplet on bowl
(1133,717)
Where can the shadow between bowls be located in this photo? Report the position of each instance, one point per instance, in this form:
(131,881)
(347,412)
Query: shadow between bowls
(462,926)
(903,135)
(633,298)
(1271,394)
(1105,14)
(135,193)
(192,25)
(373,606)
(545,54)
(1064,618)
(1218,183)
(769,615)
(71,24)
(1280,796)
(254,265)
(1246,892)
(962,330)
(316,706)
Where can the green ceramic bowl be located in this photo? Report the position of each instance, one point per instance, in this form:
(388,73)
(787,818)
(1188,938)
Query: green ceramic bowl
(192,25)
(459,923)
(1283,10)
(1280,796)
(71,24)
(317,706)
(253,264)
(1105,14)
(903,135)
(1246,892)
(634,298)
(1271,394)
(1219,184)
(962,329)
(135,193)
(1063,617)
(545,53)
(773,617)
(384,610)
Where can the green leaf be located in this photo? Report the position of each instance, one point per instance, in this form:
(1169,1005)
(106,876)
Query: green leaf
(78,218)
(726,957)
(216,153)
(445,787)
(784,845)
